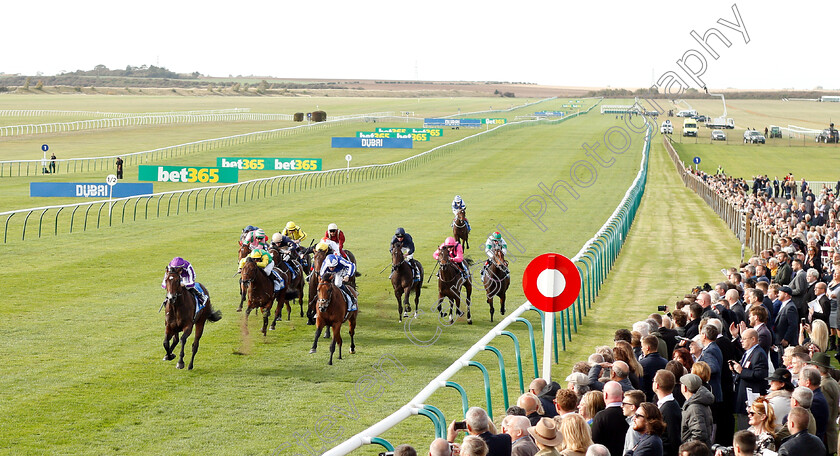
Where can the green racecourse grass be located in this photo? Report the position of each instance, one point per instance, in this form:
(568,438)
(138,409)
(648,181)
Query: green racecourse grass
(81,339)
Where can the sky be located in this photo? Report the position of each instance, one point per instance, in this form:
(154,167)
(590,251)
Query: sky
(568,43)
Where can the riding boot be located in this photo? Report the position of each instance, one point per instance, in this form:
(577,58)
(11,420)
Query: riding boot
(832,343)
(393,268)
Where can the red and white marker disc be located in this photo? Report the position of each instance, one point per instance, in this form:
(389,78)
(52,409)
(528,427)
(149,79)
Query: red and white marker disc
(551,282)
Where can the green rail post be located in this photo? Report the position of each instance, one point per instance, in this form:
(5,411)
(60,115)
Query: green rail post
(486,385)
(382,442)
(501,373)
(440,416)
(464,402)
(533,345)
(518,359)
(432,416)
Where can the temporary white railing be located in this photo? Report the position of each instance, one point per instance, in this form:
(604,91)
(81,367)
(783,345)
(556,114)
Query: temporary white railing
(55,112)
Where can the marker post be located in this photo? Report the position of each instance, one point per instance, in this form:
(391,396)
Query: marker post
(348,157)
(111,180)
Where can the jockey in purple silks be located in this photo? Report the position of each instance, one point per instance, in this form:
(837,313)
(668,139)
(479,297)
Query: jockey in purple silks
(187,274)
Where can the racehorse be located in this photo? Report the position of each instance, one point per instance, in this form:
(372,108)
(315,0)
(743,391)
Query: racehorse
(181,318)
(317,261)
(332,306)
(496,280)
(459,228)
(450,281)
(260,290)
(244,251)
(293,287)
(402,279)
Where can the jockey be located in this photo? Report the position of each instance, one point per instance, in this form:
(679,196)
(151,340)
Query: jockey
(294,232)
(187,274)
(257,239)
(245,232)
(407,249)
(457,205)
(456,254)
(494,241)
(266,262)
(336,235)
(341,271)
(279,241)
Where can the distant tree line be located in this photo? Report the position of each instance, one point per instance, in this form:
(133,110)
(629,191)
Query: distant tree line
(692,93)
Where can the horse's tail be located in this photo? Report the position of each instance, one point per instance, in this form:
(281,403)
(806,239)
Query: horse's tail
(291,294)
(215,315)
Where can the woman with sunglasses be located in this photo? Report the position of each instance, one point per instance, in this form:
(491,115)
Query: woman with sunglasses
(762,424)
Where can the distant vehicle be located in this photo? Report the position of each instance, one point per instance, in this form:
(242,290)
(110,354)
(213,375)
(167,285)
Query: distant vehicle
(689,127)
(718,135)
(721,122)
(667,122)
(829,135)
(754,137)
(701,118)
(687,113)
(667,128)
(775,132)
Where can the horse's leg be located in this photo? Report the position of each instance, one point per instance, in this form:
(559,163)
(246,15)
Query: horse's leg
(490,303)
(243,292)
(336,340)
(469,302)
(352,333)
(169,348)
(278,315)
(184,336)
(315,343)
(502,301)
(288,310)
(417,288)
(398,295)
(266,311)
(199,330)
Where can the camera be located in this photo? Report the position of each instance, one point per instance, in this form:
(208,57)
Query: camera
(460,425)
(662,308)
(725,450)
(387,453)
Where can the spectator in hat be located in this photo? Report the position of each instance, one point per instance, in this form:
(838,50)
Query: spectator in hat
(579,383)
(546,437)
(781,389)
(696,412)
(787,320)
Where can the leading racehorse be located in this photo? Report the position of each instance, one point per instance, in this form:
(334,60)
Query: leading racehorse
(402,279)
(450,281)
(332,306)
(496,280)
(181,318)
(459,228)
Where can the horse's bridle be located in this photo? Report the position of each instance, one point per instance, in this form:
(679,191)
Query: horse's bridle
(324,303)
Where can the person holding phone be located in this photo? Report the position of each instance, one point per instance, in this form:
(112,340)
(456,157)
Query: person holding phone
(476,422)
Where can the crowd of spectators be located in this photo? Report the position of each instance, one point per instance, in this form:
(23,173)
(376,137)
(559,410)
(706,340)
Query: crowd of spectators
(738,368)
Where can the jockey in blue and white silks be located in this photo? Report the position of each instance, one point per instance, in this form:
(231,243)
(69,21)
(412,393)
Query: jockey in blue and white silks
(457,205)
(341,270)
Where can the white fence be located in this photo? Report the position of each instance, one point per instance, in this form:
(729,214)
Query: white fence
(55,113)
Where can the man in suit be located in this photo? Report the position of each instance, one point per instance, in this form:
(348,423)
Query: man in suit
(810,378)
(651,363)
(819,308)
(799,286)
(478,423)
(736,306)
(831,391)
(516,426)
(801,442)
(787,320)
(609,426)
(750,373)
(784,273)
(663,385)
(713,357)
(693,326)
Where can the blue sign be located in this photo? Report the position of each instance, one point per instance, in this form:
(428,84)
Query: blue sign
(434,122)
(379,143)
(45,147)
(696,160)
(88,190)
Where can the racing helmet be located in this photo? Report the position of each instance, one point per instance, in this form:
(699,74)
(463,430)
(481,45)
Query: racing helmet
(331,261)
(400,232)
(458,198)
(322,246)
(291,226)
(178,262)
(450,242)
(248,228)
(276,237)
(496,235)
(332,226)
